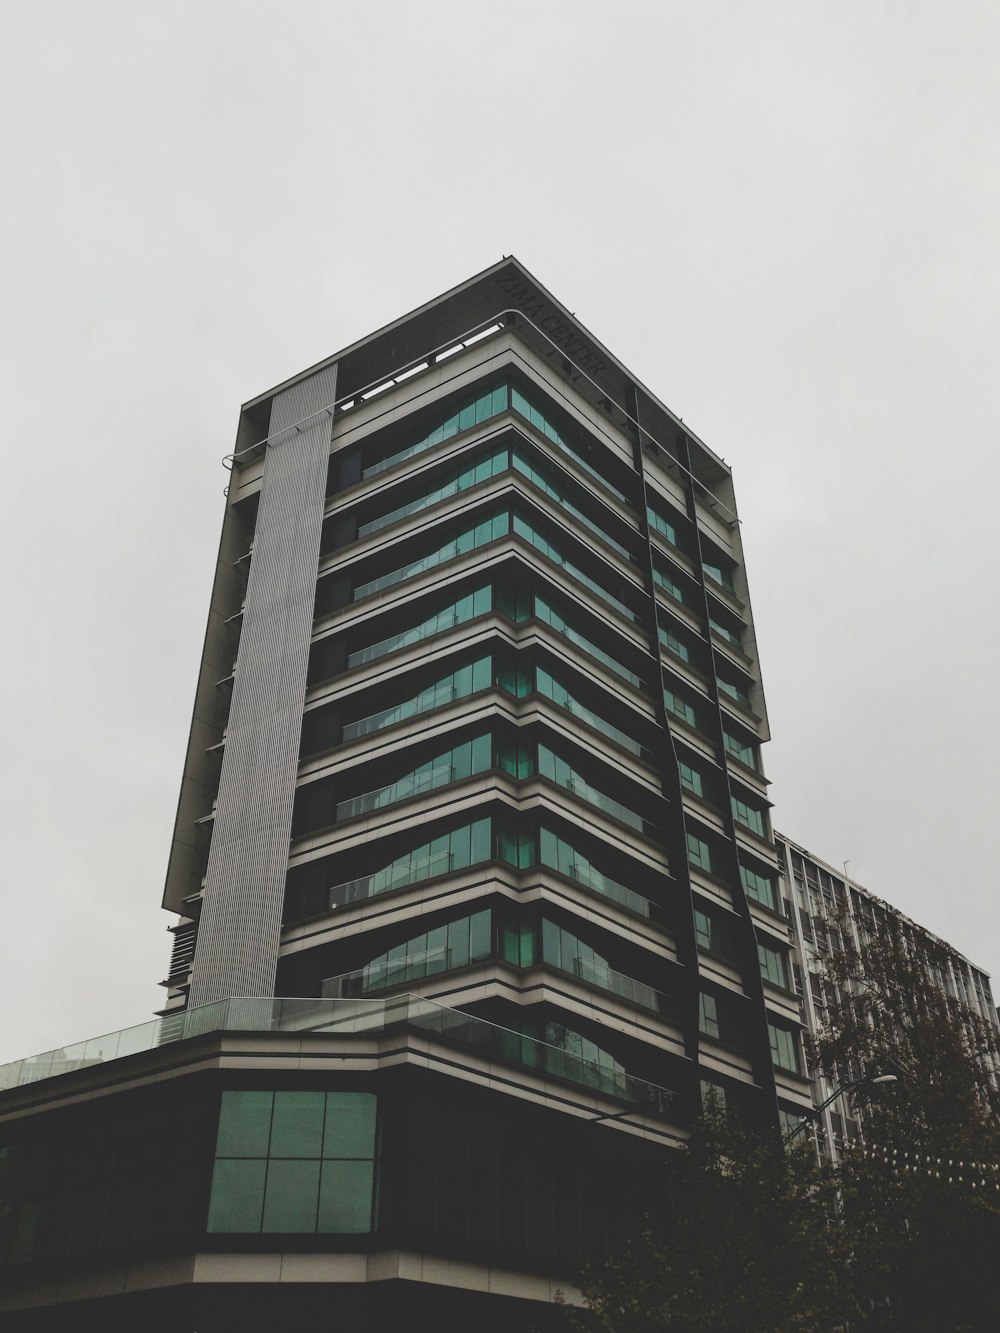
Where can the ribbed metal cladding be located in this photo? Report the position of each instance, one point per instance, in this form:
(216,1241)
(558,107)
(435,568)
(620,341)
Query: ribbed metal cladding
(238,935)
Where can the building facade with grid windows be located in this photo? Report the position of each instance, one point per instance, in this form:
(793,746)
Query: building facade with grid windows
(474,880)
(829,913)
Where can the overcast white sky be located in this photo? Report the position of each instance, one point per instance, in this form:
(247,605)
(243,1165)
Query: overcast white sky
(783,216)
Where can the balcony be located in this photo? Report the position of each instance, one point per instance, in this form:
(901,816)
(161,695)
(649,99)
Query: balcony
(422,1019)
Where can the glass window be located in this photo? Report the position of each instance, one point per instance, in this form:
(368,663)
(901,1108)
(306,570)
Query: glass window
(720,574)
(759,887)
(291,1195)
(320,1171)
(297,1125)
(468,679)
(553,551)
(549,615)
(345,1198)
(663,525)
(749,817)
(680,707)
(466,608)
(784,1048)
(708,1015)
(744,751)
(773,965)
(664,579)
(731,636)
(462,761)
(546,481)
(244,1124)
(469,413)
(674,644)
(449,483)
(550,687)
(698,852)
(690,778)
(525,407)
(350,1124)
(554,767)
(490,528)
(237,1201)
(735,692)
(703,929)
(439,950)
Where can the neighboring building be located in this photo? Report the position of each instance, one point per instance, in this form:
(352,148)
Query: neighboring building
(473,860)
(829,912)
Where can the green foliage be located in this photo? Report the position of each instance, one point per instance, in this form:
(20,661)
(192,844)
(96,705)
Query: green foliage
(745,1242)
(889,1008)
(752,1238)
(924,1245)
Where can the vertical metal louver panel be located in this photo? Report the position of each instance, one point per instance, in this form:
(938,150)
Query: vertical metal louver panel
(239,930)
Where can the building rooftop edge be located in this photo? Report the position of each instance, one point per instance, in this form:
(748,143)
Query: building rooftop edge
(839,873)
(508,261)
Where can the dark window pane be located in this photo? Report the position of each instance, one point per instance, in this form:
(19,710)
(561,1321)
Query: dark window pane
(350,1125)
(244,1124)
(237,1194)
(297,1128)
(290,1201)
(345,1201)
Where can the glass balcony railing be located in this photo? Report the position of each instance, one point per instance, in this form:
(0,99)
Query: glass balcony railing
(366,886)
(387,973)
(414,784)
(610,888)
(350,1017)
(635,992)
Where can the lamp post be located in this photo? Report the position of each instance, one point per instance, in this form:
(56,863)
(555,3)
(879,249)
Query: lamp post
(869,1081)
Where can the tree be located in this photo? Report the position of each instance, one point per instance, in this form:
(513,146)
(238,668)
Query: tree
(745,1242)
(888,1006)
(922,1229)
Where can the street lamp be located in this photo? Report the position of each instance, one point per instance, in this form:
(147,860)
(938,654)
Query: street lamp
(869,1081)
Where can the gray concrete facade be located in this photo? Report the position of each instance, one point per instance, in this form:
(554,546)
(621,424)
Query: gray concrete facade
(240,924)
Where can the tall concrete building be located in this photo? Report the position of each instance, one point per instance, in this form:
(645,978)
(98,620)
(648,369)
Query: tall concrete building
(473,871)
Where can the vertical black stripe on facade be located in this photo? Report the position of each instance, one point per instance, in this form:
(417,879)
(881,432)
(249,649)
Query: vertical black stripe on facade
(240,926)
(755,1011)
(668,769)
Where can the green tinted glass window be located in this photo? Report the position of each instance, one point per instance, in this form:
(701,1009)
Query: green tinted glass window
(674,644)
(734,692)
(773,965)
(721,574)
(244,1124)
(744,751)
(663,578)
(350,1124)
(690,778)
(345,1197)
(708,1015)
(698,852)
(291,1195)
(469,413)
(680,707)
(749,817)
(295,1193)
(456,613)
(237,1195)
(759,887)
(528,409)
(784,1048)
(661,524)
(297,1126)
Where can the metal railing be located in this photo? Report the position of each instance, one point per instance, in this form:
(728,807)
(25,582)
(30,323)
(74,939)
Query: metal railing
(348,1017)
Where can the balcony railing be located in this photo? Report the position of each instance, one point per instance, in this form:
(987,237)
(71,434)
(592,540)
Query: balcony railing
(353,1017)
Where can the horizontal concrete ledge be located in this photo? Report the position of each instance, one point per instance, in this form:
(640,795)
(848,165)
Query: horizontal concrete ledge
(278,1267)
